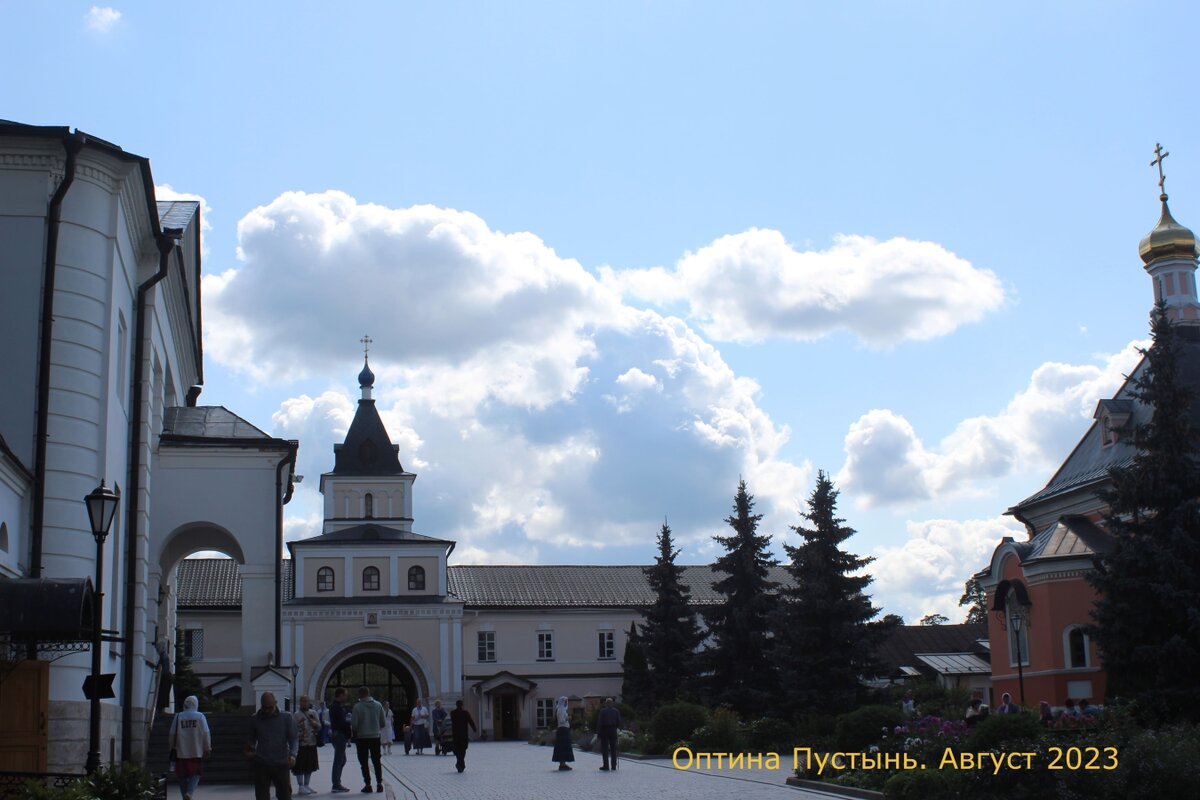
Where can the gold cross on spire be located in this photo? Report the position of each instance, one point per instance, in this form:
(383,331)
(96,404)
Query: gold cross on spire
(366,343)
(1160,154)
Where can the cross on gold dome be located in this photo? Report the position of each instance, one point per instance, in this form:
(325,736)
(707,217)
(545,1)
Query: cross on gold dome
(366,343)
(1160,154)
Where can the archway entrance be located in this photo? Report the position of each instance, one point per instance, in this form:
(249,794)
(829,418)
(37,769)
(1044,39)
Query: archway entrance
(385,676)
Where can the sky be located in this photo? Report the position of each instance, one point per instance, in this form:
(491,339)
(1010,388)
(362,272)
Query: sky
(616,256)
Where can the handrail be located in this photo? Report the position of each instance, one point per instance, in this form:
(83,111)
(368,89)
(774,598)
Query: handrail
(152,702)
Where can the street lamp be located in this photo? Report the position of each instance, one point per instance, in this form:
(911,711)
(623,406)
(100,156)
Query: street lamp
(1016,619)
(101,507)
(295,672)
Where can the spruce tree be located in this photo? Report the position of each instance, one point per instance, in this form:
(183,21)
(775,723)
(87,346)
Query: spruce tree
(635,684)
(670,634)
(826,638)
(739,663)
(1146,619)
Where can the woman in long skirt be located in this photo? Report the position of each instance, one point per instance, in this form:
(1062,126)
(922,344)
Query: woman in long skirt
(564,750)
(420,726)
(388,733)
(308,728)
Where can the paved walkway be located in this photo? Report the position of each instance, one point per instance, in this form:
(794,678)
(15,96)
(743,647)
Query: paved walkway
(518,771)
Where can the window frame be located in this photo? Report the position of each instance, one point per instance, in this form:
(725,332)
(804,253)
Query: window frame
(606,646)
(416,578)
(543,714)
(485,642)
(545,645)
(373,570)
(323,573)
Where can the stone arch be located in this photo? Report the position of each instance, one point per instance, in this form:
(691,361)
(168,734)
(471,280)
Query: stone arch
(370,645)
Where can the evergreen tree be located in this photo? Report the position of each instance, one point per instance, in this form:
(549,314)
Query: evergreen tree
(740,662)
(826,638)
(635,685)
(975,596)
(1146,619)
(186,681)
(670,634)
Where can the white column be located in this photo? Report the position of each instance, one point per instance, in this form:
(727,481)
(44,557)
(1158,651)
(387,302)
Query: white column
(457,643)
(258,621)
(348,583)
(444,641)
(395,575)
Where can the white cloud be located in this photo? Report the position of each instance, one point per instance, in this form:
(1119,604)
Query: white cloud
(101,19)
(165,192)
(754,285)
(927,573)
(887,463)
(497,362)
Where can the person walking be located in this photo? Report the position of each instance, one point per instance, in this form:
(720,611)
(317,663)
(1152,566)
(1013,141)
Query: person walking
(437,718)
(340,735)
(367,722)
(460,720)
(564,750)
(271,748)
(420,726)
(388,734)
(308,728)
(190,743)
(607,725)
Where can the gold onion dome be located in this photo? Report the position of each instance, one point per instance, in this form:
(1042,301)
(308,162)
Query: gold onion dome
(1169,239)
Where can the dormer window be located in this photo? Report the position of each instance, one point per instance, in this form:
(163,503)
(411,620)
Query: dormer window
(1114,418)
(369,506)
(370,581)
(416,579)
(325,580)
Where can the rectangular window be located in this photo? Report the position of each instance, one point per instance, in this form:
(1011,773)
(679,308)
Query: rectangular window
(545,650)
(193,643)
(1018,643)
(607,650)
(544,713)
(487,646)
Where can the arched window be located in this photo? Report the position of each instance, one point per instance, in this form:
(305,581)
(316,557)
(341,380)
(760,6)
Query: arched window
(371,579)
(1077,648)
(416,579)
(325,579)
(369,506)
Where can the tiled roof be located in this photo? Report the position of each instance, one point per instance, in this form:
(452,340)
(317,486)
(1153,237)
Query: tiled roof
(215,583)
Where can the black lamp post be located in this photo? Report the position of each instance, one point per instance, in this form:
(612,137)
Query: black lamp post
(1017,619)
(101,507)
(295,672)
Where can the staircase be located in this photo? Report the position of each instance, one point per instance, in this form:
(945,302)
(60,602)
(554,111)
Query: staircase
(227,764)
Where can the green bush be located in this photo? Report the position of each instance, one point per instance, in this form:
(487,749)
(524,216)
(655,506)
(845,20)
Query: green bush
(768,735)
(124,782)
(917,785)
(722,734)
(1162,763)
(1001,731)
(861,728)
(676,723)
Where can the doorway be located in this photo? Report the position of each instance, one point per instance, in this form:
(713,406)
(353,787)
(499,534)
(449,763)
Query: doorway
(506,716)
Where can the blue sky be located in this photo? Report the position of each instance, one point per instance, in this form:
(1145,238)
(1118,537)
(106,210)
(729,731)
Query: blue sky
(615,255)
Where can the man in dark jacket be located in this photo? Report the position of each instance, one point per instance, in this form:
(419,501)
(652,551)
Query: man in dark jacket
(271,748)
(460,718)
(607,725)
(339,721)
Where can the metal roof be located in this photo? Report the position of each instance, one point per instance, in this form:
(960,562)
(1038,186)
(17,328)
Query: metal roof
(215,583)
(208,422)
(177,213)
(955,663)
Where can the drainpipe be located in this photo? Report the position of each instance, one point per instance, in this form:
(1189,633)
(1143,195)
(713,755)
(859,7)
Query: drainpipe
(283,500)
(72,143)
(166,243)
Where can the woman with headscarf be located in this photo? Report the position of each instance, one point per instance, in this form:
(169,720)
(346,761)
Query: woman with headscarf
(420,727)
(190,743)
(308,728)
(564,751)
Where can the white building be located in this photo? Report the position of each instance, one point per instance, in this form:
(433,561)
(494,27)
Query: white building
(102,365)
